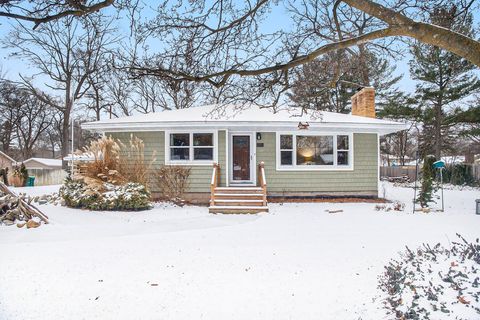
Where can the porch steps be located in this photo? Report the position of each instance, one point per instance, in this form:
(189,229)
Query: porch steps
(233,189)
(237,200)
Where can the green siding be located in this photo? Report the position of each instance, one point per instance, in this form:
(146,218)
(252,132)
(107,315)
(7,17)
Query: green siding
(363,178)
(200,176)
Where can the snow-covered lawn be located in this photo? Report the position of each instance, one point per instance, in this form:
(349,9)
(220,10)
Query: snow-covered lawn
(297,262)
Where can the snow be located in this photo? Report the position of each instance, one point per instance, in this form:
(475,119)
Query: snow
(236,115)
(296,262)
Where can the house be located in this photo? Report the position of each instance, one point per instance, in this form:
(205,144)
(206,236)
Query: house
(6,161)
(257,152)
(43,163)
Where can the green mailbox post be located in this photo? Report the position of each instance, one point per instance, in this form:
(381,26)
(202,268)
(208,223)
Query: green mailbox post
(440,165)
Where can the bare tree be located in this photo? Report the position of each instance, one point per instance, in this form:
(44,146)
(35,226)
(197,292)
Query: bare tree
(36,117)
(11,102)
(229,40)
(68,52)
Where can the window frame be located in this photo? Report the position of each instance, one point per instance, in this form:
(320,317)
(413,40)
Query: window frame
(191,161)
(295,167)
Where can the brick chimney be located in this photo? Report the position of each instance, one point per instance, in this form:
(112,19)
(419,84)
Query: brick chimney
(363,103)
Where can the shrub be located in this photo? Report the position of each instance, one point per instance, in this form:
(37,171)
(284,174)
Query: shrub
(434,282)
(131,196)
(4,175)
(172,182)
(461,174)
(19,176)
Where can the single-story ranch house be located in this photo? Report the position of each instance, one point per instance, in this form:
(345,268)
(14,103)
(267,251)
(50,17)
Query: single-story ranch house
(257,152)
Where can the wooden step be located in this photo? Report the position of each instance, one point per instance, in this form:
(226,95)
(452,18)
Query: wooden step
(238,202)
(237,209)
(238,188)
(254,195)
(234,191)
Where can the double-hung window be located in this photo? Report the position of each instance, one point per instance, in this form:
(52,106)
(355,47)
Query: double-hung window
(302,151)
(190,147)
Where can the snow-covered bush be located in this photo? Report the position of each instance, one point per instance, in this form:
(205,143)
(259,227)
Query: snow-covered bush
(131,196)
(434,282)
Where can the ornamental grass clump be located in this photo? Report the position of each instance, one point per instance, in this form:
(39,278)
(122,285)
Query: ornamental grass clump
(132,165)
(116,162)
(115,179)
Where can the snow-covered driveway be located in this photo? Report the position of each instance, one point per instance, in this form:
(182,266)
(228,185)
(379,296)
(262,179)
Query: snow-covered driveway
(297,262)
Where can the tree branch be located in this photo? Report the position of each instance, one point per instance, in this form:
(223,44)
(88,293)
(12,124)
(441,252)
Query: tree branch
(78,10)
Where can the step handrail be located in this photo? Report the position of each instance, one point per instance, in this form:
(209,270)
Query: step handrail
(263,181)
(214,182)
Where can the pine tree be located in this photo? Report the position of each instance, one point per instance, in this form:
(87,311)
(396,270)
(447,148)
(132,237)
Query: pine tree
(446,80)
(313,88)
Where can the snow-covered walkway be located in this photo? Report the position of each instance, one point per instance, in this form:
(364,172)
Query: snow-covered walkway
(297,262)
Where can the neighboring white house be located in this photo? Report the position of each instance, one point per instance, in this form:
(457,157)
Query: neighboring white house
(46,171)
(43,163)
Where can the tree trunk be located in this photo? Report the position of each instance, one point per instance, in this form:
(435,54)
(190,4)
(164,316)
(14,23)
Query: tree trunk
(438,141)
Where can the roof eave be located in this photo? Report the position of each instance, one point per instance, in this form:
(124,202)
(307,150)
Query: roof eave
(383,128)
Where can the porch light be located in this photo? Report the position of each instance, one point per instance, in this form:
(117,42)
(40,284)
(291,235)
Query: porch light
(478,206)
(259,136)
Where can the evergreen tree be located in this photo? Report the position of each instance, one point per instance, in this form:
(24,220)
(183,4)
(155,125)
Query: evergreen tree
(428,175)
(313,88)
(446,80)
(401,145)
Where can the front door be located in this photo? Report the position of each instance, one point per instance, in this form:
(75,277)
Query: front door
(242,157)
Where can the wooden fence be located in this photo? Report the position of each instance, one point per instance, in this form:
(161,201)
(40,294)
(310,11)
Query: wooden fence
(389,172)
(45,177)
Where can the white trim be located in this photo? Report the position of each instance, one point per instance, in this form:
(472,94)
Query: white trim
(253,158)
(227,171)
(295,167)
(264,126)
(191,162)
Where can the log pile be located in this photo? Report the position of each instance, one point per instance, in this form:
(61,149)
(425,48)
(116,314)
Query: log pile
(18,208)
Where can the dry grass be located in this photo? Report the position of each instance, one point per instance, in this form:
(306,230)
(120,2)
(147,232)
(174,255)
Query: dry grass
(116,162)
(132,164)
(104,166)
